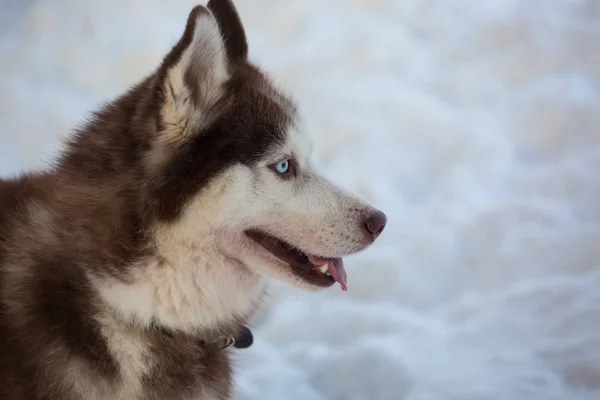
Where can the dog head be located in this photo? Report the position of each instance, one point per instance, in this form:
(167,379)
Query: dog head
(231,166)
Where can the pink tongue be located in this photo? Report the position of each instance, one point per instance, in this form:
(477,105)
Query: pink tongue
(336,269)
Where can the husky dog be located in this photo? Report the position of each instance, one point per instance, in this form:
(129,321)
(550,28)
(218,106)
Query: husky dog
(126,266)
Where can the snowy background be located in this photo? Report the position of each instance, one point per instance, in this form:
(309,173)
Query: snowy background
(475,125)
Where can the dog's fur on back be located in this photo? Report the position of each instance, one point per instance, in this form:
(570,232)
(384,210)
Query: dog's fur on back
(123,264)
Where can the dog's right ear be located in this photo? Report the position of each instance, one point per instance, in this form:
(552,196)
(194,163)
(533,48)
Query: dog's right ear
(192,77)
(232,29)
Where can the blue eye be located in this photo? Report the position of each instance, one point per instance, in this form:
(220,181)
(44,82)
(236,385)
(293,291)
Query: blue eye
(282,167)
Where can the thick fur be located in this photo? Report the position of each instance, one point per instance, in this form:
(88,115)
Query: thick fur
(122,264)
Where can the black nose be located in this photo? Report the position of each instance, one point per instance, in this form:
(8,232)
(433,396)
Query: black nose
(375,223)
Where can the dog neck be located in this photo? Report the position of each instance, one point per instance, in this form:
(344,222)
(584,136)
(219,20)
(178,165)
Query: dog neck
(185,288)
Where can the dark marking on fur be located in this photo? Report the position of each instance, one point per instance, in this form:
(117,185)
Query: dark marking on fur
(63,304)
(252,125)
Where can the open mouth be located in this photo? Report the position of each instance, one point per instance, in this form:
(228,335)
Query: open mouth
(319,271)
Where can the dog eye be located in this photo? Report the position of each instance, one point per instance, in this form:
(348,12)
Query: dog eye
(282,167)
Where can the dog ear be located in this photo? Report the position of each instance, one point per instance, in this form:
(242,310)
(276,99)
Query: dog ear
(231,28)
(193,76)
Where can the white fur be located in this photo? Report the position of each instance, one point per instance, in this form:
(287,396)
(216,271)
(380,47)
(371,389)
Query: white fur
(189,289)
(131,353)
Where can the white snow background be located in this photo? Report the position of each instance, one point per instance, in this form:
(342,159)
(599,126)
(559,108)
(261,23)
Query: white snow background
(475,125)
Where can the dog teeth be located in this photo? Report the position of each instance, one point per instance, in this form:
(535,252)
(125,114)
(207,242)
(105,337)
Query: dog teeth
(324,269)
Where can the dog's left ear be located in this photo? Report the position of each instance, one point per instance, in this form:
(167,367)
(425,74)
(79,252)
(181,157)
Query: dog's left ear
(231,29)
(192,77)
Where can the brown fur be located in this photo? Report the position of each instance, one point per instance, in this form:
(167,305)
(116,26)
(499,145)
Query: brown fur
(91,218)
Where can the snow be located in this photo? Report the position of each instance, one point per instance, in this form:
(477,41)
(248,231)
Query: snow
(475,125)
